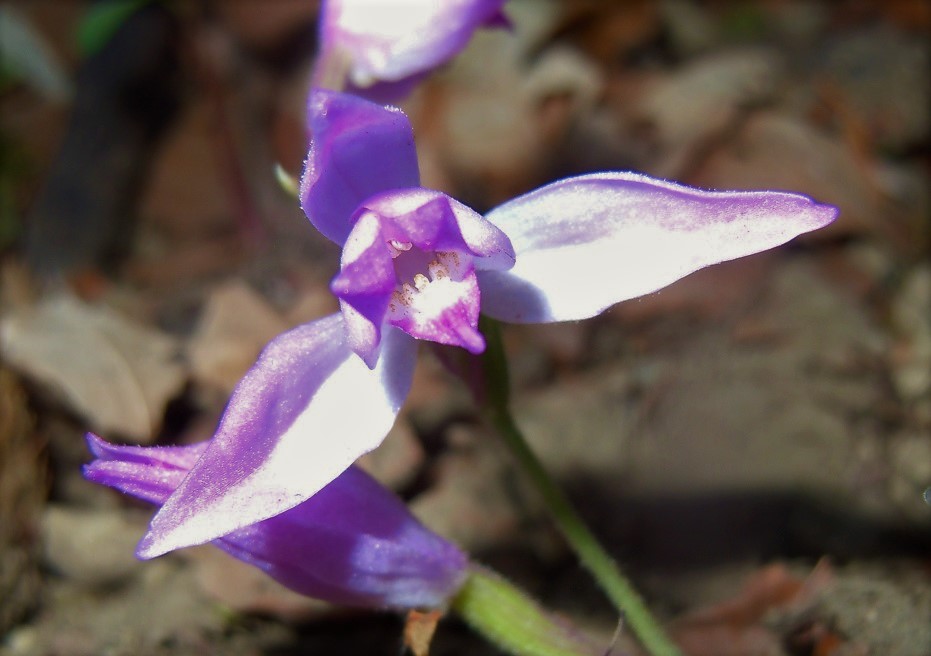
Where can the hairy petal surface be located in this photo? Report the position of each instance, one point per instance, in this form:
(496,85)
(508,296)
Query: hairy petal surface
(305,411)
(388,46)
(353,543)
(357,149)
(586,243)
(147,473)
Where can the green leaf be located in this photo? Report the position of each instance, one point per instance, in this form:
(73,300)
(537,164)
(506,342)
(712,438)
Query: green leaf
(102,21)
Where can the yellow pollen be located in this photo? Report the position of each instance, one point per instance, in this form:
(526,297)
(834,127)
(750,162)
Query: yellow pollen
(420,281)
(437,270)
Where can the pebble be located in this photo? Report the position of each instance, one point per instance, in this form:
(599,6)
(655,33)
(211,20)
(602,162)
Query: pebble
(92,547)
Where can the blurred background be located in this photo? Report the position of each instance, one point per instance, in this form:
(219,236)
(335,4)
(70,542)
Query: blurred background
(753,443)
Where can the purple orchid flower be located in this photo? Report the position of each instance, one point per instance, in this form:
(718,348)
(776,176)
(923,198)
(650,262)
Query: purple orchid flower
(380,50)
(417,264)
(354,543)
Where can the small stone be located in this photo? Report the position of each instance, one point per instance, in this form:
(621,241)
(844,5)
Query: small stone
(886,616)
(91,547)
(236,325)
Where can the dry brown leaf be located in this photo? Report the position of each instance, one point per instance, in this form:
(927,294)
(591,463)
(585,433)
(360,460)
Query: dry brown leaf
(703,99)
(116,373)
(735,627)
(606,30)
(419,630)
(236,325)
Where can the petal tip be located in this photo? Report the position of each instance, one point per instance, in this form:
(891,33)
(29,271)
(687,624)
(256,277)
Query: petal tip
(160,539)
(95,444)
(826,214)
(148,548)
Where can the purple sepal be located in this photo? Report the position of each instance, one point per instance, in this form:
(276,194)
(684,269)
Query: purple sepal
(305,411)
(586,243)
(353,543)
(388,48)
(357,149)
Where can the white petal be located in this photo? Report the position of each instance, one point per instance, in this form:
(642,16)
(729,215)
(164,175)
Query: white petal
(307,409)
(586,243)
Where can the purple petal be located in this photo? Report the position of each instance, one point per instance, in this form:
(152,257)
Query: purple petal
(395,42)
(433,221)
(358,149)
(586,243)
(130,469)
(445,311)
(410,261)
(364,286)
(353,542)
(304,412)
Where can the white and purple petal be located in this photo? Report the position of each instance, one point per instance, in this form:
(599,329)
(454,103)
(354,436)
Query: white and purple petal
(390,46)
(586,243)
(147,473)
(443,310)
(431,220)
(353,543)
(364,285)
(305,411)
(410,262)
(358,149)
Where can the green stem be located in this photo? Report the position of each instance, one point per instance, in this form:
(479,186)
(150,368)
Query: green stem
(592,556)
(514,622)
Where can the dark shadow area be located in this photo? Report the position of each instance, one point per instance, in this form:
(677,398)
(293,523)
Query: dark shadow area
(127,95)
(691,532)
(378,634)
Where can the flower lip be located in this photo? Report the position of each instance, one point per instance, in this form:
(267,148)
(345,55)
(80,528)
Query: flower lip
(410,261)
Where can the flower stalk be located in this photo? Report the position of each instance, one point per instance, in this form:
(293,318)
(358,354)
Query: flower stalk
(586,546)
(514,622)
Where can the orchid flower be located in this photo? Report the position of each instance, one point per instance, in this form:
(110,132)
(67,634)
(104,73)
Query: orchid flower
(354,543)
(380,50)
(418,265)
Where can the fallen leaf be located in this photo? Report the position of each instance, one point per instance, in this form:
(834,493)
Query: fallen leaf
(116,373)
(605,31)
(419,630)
(237,323)
(735,627)
(715,89)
